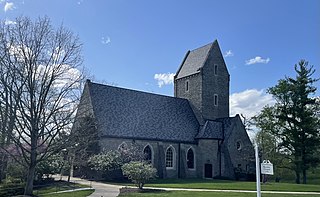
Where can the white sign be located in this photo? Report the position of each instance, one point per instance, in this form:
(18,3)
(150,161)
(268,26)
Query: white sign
(266,167)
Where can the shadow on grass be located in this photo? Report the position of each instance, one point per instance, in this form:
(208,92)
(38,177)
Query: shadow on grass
(126,190)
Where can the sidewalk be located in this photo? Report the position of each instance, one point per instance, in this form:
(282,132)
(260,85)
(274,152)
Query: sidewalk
(101,189)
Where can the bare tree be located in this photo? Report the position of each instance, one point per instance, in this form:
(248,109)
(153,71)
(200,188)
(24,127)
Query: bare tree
(10,93)
(41,78)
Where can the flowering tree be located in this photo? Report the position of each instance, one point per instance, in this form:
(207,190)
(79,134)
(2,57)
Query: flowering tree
(114,159)
(139,172)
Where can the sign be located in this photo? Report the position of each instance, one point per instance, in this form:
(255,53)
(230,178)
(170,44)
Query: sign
(266,167)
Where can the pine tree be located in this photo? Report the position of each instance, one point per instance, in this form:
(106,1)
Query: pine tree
(297,120)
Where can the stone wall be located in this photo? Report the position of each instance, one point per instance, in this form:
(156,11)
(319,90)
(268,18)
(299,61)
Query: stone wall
(158,158)
(239,149)
(215,84)
(208,154)
(194,94)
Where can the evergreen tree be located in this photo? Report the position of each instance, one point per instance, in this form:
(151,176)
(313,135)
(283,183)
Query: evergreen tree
(295,116)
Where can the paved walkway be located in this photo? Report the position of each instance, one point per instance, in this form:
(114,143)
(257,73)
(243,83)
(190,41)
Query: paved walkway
(101,189)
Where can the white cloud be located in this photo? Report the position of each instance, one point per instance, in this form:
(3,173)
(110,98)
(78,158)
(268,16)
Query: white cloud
(8,6)
(257,60)
(21,52)
(164,79)
(9,22)
(106,40)
(69,76)
(249,102)
(228,53)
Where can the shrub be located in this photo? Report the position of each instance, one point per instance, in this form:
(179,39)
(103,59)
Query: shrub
(106,161)
(139,172)
(51,165)
(11,189)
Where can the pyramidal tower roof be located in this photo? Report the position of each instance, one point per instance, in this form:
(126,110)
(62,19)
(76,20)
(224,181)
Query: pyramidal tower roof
(194,60)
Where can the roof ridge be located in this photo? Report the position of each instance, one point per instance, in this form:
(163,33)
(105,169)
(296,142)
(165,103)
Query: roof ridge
(207,55)
(138,91)
(211,43)
(194,60)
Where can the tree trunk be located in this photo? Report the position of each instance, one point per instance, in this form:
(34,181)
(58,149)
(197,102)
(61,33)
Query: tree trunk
(304,176)
(32,167)
(2,167)
(4,164)
(29,185)
(297,177)
(71,168)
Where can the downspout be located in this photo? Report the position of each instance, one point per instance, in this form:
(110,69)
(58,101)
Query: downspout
(219,149)
(179,171)
(220,152)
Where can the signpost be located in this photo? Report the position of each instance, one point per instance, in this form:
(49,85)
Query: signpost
(257,171)
(266,168)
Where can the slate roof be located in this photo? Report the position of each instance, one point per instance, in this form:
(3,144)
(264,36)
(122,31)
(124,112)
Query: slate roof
(133,114)
(194,61)
(211,130)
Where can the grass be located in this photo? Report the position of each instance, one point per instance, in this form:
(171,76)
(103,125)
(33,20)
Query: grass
(207,194)
(57,186)
(83,193)
(231,185)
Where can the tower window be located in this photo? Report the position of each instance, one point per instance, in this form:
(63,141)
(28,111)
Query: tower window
(215,100)
(216,69)
(238,145)
(187,86)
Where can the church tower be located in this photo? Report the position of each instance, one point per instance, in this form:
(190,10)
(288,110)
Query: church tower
(203,79)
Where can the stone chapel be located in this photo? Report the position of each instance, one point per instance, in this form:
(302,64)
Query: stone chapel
(190,135)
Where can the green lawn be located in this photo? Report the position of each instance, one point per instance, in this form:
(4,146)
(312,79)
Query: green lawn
(48,190)
(45,190)
(57,186)
(230,185)
(207,194)
(83,193)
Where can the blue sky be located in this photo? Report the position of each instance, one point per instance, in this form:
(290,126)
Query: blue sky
(134,44)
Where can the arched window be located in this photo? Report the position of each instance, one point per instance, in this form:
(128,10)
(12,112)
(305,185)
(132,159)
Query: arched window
(123,146)
(148,154)
(187,86)
(215,100)
(170,157)
(238,144)
(190,159)
(216,69)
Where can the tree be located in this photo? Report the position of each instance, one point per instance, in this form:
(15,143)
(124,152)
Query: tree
(106,161)
(139,172)
(40,78)
(293,119)
(51,165)
(115,159)
(268,142)
(82,142)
